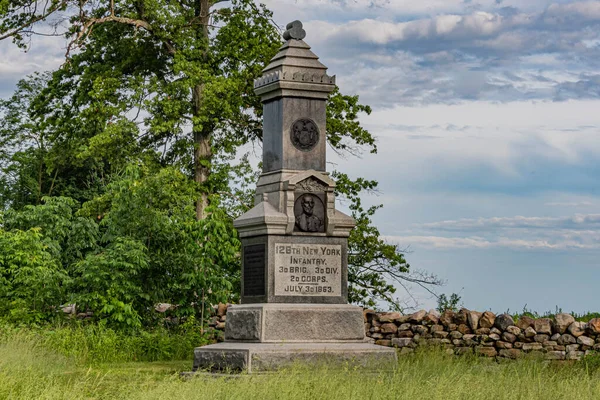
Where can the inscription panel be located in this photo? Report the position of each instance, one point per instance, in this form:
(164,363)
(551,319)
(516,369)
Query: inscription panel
(254,270)
(308,269)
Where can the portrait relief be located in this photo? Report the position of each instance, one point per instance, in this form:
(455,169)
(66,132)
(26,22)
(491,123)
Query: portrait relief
(310,213)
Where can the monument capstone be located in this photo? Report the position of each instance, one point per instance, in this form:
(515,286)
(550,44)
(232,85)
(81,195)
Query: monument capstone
(294,242)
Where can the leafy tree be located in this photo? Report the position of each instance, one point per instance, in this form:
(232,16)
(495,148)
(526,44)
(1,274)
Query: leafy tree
(165,83)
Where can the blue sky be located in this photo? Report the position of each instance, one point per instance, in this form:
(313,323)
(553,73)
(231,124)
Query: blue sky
(488,125)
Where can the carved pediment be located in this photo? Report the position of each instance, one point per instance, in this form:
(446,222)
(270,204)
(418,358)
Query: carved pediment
(311,185)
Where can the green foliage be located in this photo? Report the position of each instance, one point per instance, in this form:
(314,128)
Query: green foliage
(451,303)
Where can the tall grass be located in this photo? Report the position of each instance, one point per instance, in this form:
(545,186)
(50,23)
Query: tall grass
(28,370)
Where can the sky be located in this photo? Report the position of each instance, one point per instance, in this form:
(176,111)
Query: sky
(487,121)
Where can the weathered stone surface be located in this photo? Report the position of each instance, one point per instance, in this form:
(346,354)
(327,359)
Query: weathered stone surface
(509,337)
(436,328)
(576,328)
(433,317)
(418,316)
(496,331)
(469,339)
(510,353)
(494,336)
(543,325)
(389,327)
(566,339)
(575,355)
(550,343)
(419,329)
(405,334)
(404,327)
(586,341)
(594,326)
(389,317)
(541,338)
(503,345)
(524,322)
(482,331)
(556,355)
(221,309)
(530,332)
(461,317)
(473,319)
(518,345)
(487,319)
(464,329)
(447,317)
(555,336)
(514,330)
(532,347)
(402,342)
(384,342)
(572,347)
(452,327)
(463,350)
(562,322)
(503,321)
(456,335)
(440,334)
(486,351)
(370,314)
(220,325)
(377,335)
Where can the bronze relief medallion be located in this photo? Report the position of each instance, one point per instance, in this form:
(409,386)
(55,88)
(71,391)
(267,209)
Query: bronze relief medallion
(304,134)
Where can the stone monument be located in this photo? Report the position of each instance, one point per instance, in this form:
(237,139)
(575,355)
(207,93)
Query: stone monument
(294,242)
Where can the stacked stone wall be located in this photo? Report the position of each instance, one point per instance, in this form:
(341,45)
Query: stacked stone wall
(486,334)
(482,333)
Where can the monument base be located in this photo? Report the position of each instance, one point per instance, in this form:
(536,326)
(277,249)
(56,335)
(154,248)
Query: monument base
(257,357)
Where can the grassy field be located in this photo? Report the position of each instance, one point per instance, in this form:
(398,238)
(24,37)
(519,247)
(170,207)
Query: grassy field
(30,371)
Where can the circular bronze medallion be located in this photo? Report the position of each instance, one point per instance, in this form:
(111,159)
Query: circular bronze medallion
(304,134)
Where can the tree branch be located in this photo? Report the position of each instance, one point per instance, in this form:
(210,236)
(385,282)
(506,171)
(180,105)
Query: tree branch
(33,20)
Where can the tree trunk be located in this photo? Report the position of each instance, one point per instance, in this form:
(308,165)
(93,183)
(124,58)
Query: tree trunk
(202,134)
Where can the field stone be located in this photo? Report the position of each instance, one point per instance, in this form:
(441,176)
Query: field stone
(220,325)
(456,335)
(510,353)
(418,316)
(487,319)
(388,327)
(555,336)
(436,328)
(221,309)
(541,338)
(514,330)
(419,329)
(586,341)
(594,326)
(494,336)
(377,335)
(509,337)
(405,334)
(433,316)
(550,343)
(464,329)
(486,351)
(576,328)
(503,345)
(469,340)
(389,317)
(482,331)
(384,342)
(572,347)
(473,319)
(532,347)
(496,331)
(447,317)
(574,355)
(562,322)
(404,327)
(402,342)
(543,325)
(518,345)
(458,342)
(525,321)
(566,339)
(556,355)
(503,321)
(461,317)
(530,332)
(440,334)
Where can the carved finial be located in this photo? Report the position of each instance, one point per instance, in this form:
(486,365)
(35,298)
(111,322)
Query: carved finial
(294,31)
